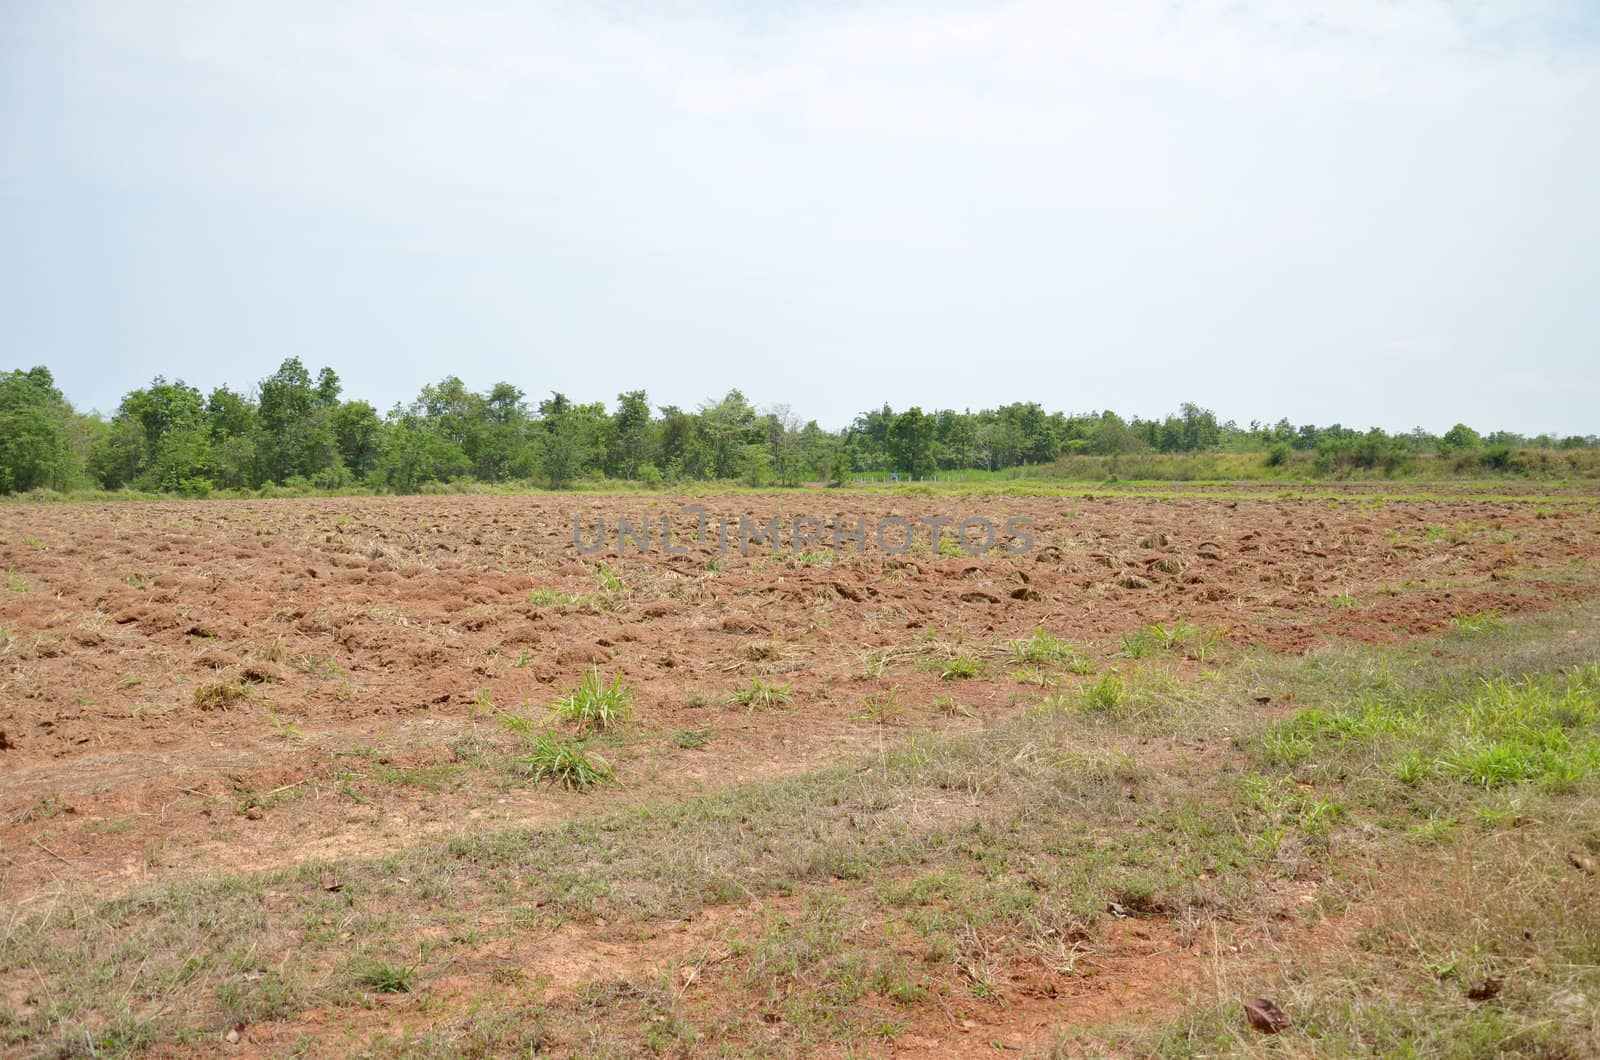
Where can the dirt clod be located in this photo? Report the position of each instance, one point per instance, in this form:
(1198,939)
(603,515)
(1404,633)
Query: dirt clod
(582,655)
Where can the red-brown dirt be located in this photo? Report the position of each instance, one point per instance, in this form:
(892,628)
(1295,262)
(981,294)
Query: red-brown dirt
(376,639)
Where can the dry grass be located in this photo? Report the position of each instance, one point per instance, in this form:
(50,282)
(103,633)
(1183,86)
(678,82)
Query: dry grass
(221,695)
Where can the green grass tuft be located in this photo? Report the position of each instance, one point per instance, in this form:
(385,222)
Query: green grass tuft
(1108,695)
(961,668)
(759,695)
(596,707)
(1043,649)
(565,763)
(385,978)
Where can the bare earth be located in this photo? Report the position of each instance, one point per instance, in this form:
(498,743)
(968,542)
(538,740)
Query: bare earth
(377,642)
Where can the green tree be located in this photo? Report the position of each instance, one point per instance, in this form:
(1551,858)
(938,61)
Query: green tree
(1034,439)
(632,428)
(452,411)
(414,455)
(160,439)
(957,437)
(119,454)
(358,434)
(1111,436)
(296,437)
(821,453)
(729,426)
(868,440)
(501,448)
(1459,437)
(1001,442)
(911,438)
(1200,429)
(565,449)
(35,443)
(684,452)
(181,463)
(229,414)
(231,419)
(328,388)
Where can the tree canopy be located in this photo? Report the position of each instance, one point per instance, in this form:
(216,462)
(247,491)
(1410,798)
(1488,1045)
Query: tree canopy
(295,428)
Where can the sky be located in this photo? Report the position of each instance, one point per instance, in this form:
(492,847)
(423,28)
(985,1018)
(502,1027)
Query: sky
(1373,213)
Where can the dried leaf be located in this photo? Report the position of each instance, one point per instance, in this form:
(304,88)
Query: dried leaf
(1264,1016)
(1583,862)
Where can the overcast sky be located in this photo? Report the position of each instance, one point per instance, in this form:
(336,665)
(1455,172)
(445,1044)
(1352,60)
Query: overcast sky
(1375,213)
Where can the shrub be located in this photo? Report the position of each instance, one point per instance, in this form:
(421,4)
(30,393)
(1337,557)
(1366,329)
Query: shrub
(1371,451)
(1497,457)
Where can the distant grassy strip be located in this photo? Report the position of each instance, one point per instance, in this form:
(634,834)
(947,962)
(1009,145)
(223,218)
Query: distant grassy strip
(1165,491)
(1485,491)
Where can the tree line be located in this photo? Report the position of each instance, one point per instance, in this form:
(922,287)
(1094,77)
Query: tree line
(299,430)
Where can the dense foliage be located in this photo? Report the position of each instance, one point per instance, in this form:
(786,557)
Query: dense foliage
(298,430)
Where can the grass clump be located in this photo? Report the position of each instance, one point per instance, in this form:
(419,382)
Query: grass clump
(609,581)
(961,668)
(881,708)
(1478,622)
(594,706)
(565,763)
(568,762)
(759,695)
(693,739)
(385,978)
(564,602)
(1108,695)
(1042,649)
(1180,637)
(221,695)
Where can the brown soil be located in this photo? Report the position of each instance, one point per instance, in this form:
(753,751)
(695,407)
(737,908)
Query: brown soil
(187,687)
